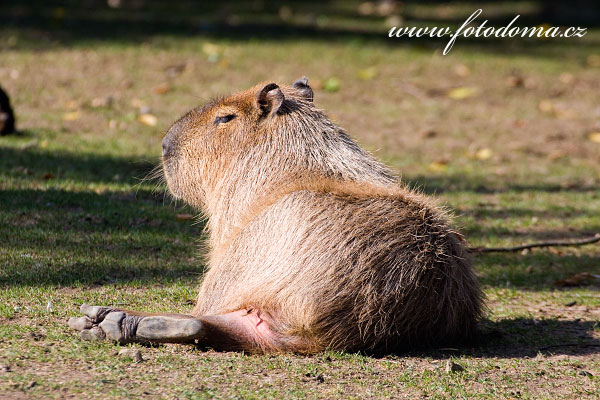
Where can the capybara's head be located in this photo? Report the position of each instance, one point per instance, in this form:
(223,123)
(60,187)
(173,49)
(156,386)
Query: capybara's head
(202,145)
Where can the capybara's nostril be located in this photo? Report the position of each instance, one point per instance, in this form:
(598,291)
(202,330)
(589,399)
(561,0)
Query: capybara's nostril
(165,146)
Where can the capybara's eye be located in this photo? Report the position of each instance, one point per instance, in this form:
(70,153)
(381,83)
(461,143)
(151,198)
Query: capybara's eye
(224,119)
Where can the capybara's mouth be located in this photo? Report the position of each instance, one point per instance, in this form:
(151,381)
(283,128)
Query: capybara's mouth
(168,168)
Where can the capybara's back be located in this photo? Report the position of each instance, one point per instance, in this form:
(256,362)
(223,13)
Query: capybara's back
(385,272)
(308,229)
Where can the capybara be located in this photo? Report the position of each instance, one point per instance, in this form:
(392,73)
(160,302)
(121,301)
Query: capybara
(313,244)
(7,117)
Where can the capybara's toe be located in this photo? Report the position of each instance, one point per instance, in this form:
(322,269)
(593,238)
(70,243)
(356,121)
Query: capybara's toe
(96,313)
(80,323)
(93,333)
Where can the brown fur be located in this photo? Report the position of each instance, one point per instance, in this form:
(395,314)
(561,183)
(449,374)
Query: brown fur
(310,229)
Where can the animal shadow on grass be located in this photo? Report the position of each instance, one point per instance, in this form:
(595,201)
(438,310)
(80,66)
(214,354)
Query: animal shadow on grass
(486,185)
(34,163)
(59,237)
(63,236)
(524,337)
(515,338)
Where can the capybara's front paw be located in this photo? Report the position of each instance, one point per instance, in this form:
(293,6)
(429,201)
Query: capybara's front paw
(127,326)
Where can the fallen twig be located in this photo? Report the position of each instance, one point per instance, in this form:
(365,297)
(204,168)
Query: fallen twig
(556,243)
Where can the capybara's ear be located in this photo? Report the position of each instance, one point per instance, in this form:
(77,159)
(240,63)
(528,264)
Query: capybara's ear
(302,86)
(269,99)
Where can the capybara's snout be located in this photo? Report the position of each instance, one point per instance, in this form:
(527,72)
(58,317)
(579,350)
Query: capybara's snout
(167,145)
(169,142)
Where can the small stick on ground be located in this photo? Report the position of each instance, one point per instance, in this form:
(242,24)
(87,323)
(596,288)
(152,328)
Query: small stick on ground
(556,243)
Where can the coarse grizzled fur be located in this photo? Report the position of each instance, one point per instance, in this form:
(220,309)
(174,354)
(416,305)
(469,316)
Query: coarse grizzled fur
(310,229)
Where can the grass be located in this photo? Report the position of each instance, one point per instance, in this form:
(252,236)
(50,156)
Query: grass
(78,223)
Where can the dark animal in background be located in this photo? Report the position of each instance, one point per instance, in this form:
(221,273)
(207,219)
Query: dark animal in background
(7,117)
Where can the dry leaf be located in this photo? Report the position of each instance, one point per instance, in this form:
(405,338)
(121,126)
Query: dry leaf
(530,83)
(224,63)
(332,84)
(546,106)
(212,51)
(594,137)
(438,166)
(393,21)
(593,60)
(58,12)
(366,8)
(515,81)
(137,103)
(386,7)
(71,116)
(285,13)
(114,3)
(174,70)
(461,70)
(148,119)
(162,88)
(184,217)
(102,102)
(429,133)
(483,154)
(544,27)
(316,84)
(233,20)
(210,48)
(581,279)
(565,113)
(463,92)
(556,155)
(367,74)
(566,78)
